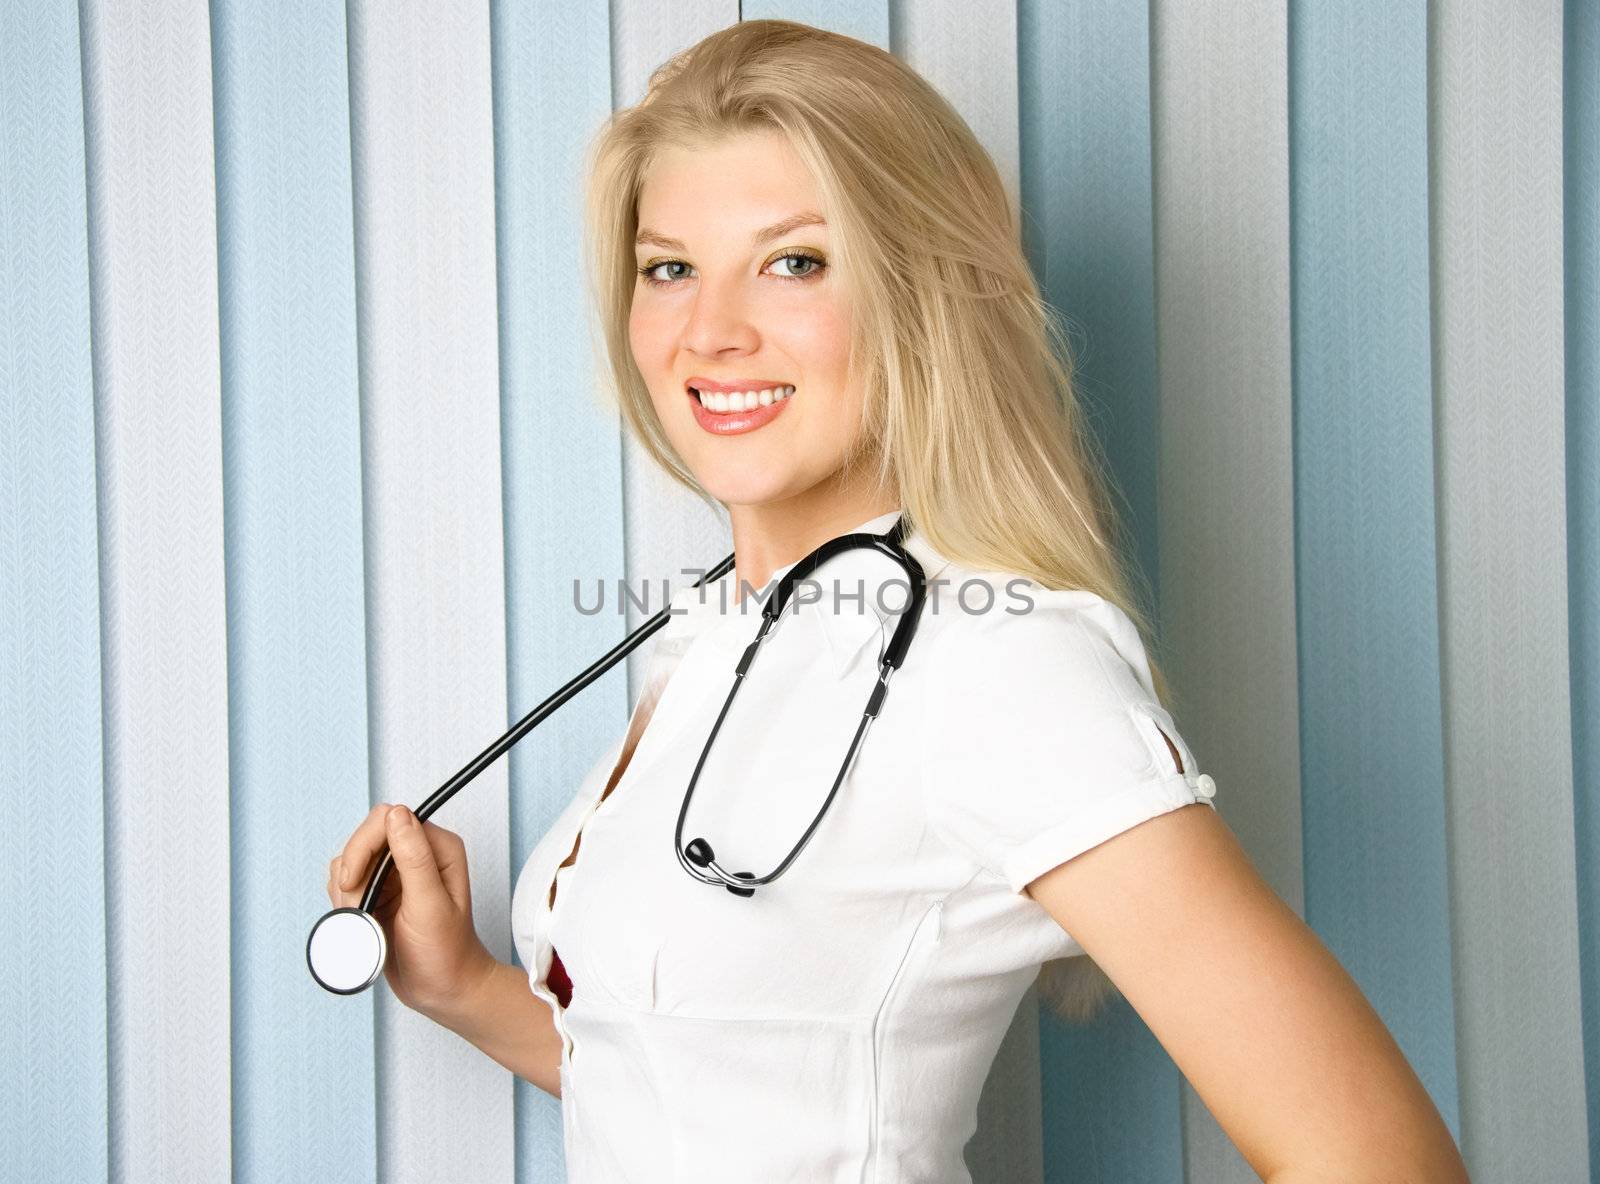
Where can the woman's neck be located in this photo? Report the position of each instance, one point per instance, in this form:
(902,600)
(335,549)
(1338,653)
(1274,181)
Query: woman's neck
(770,535)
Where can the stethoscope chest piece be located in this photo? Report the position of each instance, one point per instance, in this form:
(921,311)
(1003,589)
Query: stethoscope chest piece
(346,951)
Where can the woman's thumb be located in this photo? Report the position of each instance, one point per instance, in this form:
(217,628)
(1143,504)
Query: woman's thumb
(413,859)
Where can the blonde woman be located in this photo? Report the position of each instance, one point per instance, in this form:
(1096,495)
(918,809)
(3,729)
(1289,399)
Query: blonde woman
(818,315)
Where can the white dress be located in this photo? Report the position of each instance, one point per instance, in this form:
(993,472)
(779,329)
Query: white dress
(839,1024)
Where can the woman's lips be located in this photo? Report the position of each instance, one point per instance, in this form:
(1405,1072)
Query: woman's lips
(732,423)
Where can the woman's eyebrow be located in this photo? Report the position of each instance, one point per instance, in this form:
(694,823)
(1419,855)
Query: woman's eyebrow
(776,230)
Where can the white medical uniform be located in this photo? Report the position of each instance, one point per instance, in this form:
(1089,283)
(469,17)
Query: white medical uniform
(839,1024)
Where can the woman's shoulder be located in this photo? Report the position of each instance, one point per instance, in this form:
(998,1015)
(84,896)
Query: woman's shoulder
(1039,732)
(1000,624)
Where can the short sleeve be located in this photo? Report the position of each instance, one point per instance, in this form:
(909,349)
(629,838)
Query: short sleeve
(1042,735)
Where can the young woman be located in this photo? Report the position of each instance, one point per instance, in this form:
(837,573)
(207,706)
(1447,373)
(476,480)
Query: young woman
(818,314)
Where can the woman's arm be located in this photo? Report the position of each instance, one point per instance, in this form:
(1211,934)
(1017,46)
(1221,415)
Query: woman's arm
(502,1016)
(1274,1035)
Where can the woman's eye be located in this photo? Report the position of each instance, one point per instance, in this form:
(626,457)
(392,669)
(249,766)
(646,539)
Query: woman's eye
(808,265)
(814,262)
(649,272)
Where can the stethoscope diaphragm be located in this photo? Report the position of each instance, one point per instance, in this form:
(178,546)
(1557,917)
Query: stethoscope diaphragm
(346,951)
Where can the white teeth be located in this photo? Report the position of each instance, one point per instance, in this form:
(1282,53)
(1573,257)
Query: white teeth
(743,400)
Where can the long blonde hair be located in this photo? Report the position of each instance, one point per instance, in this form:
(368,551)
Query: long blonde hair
(950,323)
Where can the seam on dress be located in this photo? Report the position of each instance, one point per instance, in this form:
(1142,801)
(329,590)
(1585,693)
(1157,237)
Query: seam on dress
(874,1128)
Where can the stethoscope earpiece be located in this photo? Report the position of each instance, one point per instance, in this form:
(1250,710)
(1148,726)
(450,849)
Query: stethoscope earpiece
(346,951)
(702,856)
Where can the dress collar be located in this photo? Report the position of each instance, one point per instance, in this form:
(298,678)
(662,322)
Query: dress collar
(847,622)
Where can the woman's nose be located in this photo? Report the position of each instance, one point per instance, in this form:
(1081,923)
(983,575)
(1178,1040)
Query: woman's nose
(719,319)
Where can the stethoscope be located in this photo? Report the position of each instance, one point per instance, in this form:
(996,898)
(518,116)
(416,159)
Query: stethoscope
(347,947)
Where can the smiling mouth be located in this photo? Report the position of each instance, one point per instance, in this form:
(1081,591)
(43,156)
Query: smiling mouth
(732,402)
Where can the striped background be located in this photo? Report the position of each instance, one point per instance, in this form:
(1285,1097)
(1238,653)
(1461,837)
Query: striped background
(299,459)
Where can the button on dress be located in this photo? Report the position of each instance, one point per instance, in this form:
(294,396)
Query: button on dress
(839,1024)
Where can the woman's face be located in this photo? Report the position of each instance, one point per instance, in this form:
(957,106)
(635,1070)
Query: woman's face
(736,296)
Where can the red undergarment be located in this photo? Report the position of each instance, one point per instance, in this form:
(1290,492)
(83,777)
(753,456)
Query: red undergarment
(560,984)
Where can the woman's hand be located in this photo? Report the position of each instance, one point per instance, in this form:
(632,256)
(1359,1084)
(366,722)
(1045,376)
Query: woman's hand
(425,908)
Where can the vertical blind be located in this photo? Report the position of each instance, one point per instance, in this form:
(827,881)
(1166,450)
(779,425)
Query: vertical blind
(302,448)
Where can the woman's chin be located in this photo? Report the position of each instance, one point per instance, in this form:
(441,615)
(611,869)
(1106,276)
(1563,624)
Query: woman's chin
(755,481)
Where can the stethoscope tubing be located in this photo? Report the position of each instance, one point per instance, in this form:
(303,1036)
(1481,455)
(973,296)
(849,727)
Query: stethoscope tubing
(347,947)
(698,858)
(527,723)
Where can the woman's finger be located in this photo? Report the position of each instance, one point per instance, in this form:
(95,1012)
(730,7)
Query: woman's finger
(364,843)
(414,860)
(450,853)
